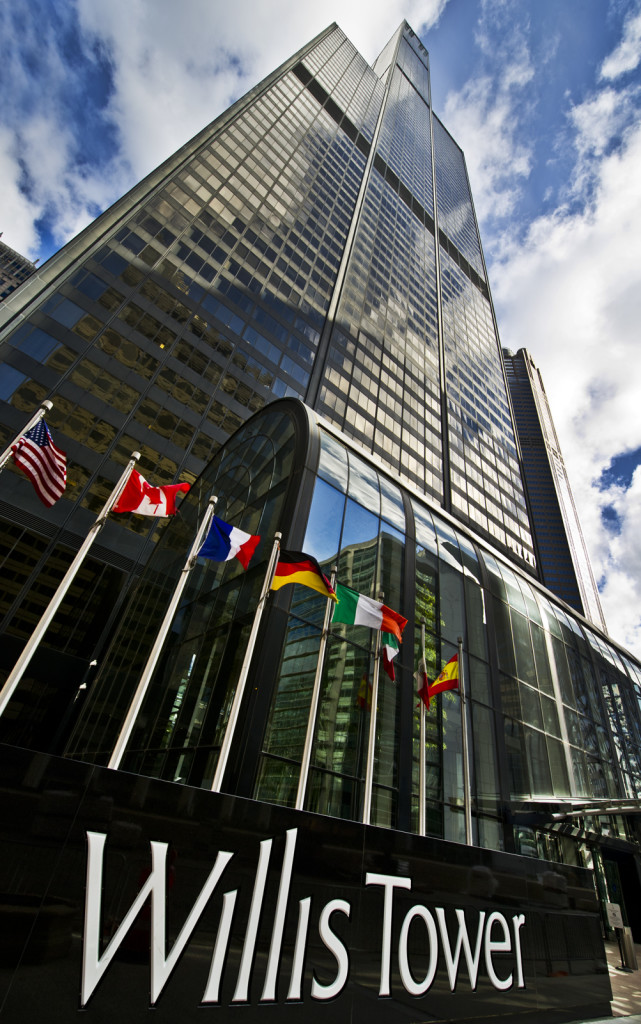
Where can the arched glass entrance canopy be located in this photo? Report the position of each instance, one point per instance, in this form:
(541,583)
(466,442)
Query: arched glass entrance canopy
(554,705)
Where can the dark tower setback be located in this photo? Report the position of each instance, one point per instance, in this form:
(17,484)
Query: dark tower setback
(564,563)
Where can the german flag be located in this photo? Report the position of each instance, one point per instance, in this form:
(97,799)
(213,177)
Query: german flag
(297,567)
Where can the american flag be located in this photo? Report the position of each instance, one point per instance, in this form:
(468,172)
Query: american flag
(44,464)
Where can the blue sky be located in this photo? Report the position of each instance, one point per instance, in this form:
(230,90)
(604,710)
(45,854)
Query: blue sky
(544,97)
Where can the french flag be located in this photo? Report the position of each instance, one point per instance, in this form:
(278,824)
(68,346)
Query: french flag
(224,542)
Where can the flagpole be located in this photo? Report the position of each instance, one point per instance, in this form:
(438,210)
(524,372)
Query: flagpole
(7,453)
(23,661)
(313,709)
(467,801)
(145,679)
(244,671)
(369,768)
(421,757)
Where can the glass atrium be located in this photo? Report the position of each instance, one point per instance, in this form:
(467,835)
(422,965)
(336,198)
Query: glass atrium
(555,706)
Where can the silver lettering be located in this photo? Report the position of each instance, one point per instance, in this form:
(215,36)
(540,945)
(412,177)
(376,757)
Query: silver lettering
(94,965)
(417,988)
(299,949)
(504,945)
(518,921)
(269,990)
(335,946)
(242,984)
(389,882)
(494,934)
(220,949)
(462,940)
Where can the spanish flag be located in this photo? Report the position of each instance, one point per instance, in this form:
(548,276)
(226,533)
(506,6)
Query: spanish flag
(297,567)
(448,680)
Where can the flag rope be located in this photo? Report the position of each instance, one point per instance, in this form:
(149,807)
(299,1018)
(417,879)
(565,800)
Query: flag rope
(371,744)
(244,671)
(22,663)
(8,452)
(313,708)
(421,758)
(145,679)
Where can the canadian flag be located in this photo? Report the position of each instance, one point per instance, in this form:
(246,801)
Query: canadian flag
(139,496)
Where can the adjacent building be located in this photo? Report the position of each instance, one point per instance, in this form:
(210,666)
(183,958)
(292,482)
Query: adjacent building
(293,314)
(564,563)
(14,269)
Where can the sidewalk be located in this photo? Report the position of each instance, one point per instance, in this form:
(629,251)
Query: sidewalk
(626,989)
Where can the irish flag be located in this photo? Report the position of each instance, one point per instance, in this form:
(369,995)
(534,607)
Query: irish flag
(355,609)
(389,650)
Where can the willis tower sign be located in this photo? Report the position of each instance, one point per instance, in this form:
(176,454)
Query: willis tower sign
(126,897)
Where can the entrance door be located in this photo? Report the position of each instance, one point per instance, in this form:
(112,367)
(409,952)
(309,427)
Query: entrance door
(624,887)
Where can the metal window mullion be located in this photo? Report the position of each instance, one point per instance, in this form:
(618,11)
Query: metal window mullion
(323,345)
(445,436)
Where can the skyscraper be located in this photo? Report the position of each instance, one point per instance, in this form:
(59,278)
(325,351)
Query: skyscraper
(293,313)
(563,558)
(289,249)
(14,269)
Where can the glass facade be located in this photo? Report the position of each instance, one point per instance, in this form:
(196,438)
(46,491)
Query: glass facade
(187,713)
(293,313)
(204,304)
(555,707)
(317,241)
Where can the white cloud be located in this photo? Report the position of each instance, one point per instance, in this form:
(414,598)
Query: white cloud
(176,68)
(172,69)
(626,56)
(45,170)
(570,294)
(622,590)
(485,119)
(598,125)
(601,118)
(17,212)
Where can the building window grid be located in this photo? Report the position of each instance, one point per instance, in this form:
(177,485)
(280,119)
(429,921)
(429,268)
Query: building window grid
(62,417)
(400,142)
(582,705)
(391,219)
(504,522)
(612,702)
(455,208)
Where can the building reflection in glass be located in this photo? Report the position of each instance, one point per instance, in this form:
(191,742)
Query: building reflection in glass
(554,704)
